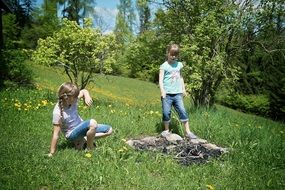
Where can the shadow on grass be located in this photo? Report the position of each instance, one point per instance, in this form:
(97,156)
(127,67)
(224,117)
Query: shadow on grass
(65,144)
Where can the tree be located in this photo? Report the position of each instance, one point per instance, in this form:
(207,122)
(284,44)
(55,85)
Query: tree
(80,51)
(144,15)
(77,10)
(45,23)
(124,22)
(206,31)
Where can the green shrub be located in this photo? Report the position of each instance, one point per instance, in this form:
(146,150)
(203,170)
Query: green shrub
(256,104)
(15,68)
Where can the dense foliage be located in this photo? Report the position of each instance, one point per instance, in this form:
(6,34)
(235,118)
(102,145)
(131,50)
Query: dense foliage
(80,51)
(234,47)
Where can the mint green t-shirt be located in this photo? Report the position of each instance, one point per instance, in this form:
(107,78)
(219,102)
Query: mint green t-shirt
(172,82)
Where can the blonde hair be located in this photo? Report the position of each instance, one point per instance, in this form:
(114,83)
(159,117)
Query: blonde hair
(65,91)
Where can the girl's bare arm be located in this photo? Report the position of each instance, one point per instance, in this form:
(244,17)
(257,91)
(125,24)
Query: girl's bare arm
(87,98)
(161,76)
(54,139)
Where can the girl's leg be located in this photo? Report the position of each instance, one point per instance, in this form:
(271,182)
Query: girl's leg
(166,111)
(183,116)
(77,134)
(103,130)
(91,134)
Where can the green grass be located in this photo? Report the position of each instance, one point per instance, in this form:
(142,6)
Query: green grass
(133,108)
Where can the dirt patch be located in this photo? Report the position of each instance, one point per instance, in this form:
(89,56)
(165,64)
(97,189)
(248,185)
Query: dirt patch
(186,152)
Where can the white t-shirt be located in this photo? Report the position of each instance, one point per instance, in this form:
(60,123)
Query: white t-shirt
(70,116)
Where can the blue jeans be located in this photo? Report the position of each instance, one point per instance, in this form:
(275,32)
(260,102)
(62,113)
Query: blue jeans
(177,101)
(81,130)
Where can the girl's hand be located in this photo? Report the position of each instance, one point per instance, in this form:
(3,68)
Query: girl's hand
(163,94)
(88,100)
(49,155)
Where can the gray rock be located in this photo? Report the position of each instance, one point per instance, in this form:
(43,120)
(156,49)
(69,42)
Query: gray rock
(149,140)
(173,138)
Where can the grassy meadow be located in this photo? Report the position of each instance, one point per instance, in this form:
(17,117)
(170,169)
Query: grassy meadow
(132,107)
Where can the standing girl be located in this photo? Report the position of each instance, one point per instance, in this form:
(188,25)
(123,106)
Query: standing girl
(67,120)
(172,89)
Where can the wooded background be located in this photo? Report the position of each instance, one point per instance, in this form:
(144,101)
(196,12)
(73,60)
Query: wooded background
(233,50)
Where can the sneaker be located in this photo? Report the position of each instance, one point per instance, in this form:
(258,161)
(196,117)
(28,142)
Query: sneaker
(191,136)
(165,133)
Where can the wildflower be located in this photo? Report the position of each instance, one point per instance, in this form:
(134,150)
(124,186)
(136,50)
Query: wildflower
(124,140)
(44,102)
(110,106)
(210,187)
(88,155)
(151,112)
(17,105)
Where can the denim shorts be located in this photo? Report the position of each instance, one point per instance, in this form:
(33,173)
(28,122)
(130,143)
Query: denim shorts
(81,130)
(175,100)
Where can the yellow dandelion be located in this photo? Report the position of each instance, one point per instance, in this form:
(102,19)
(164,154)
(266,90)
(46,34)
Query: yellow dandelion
(44,102)
(88,155)
(17,105)
(110,106)
(124,140)
(151,112)
(210,187)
